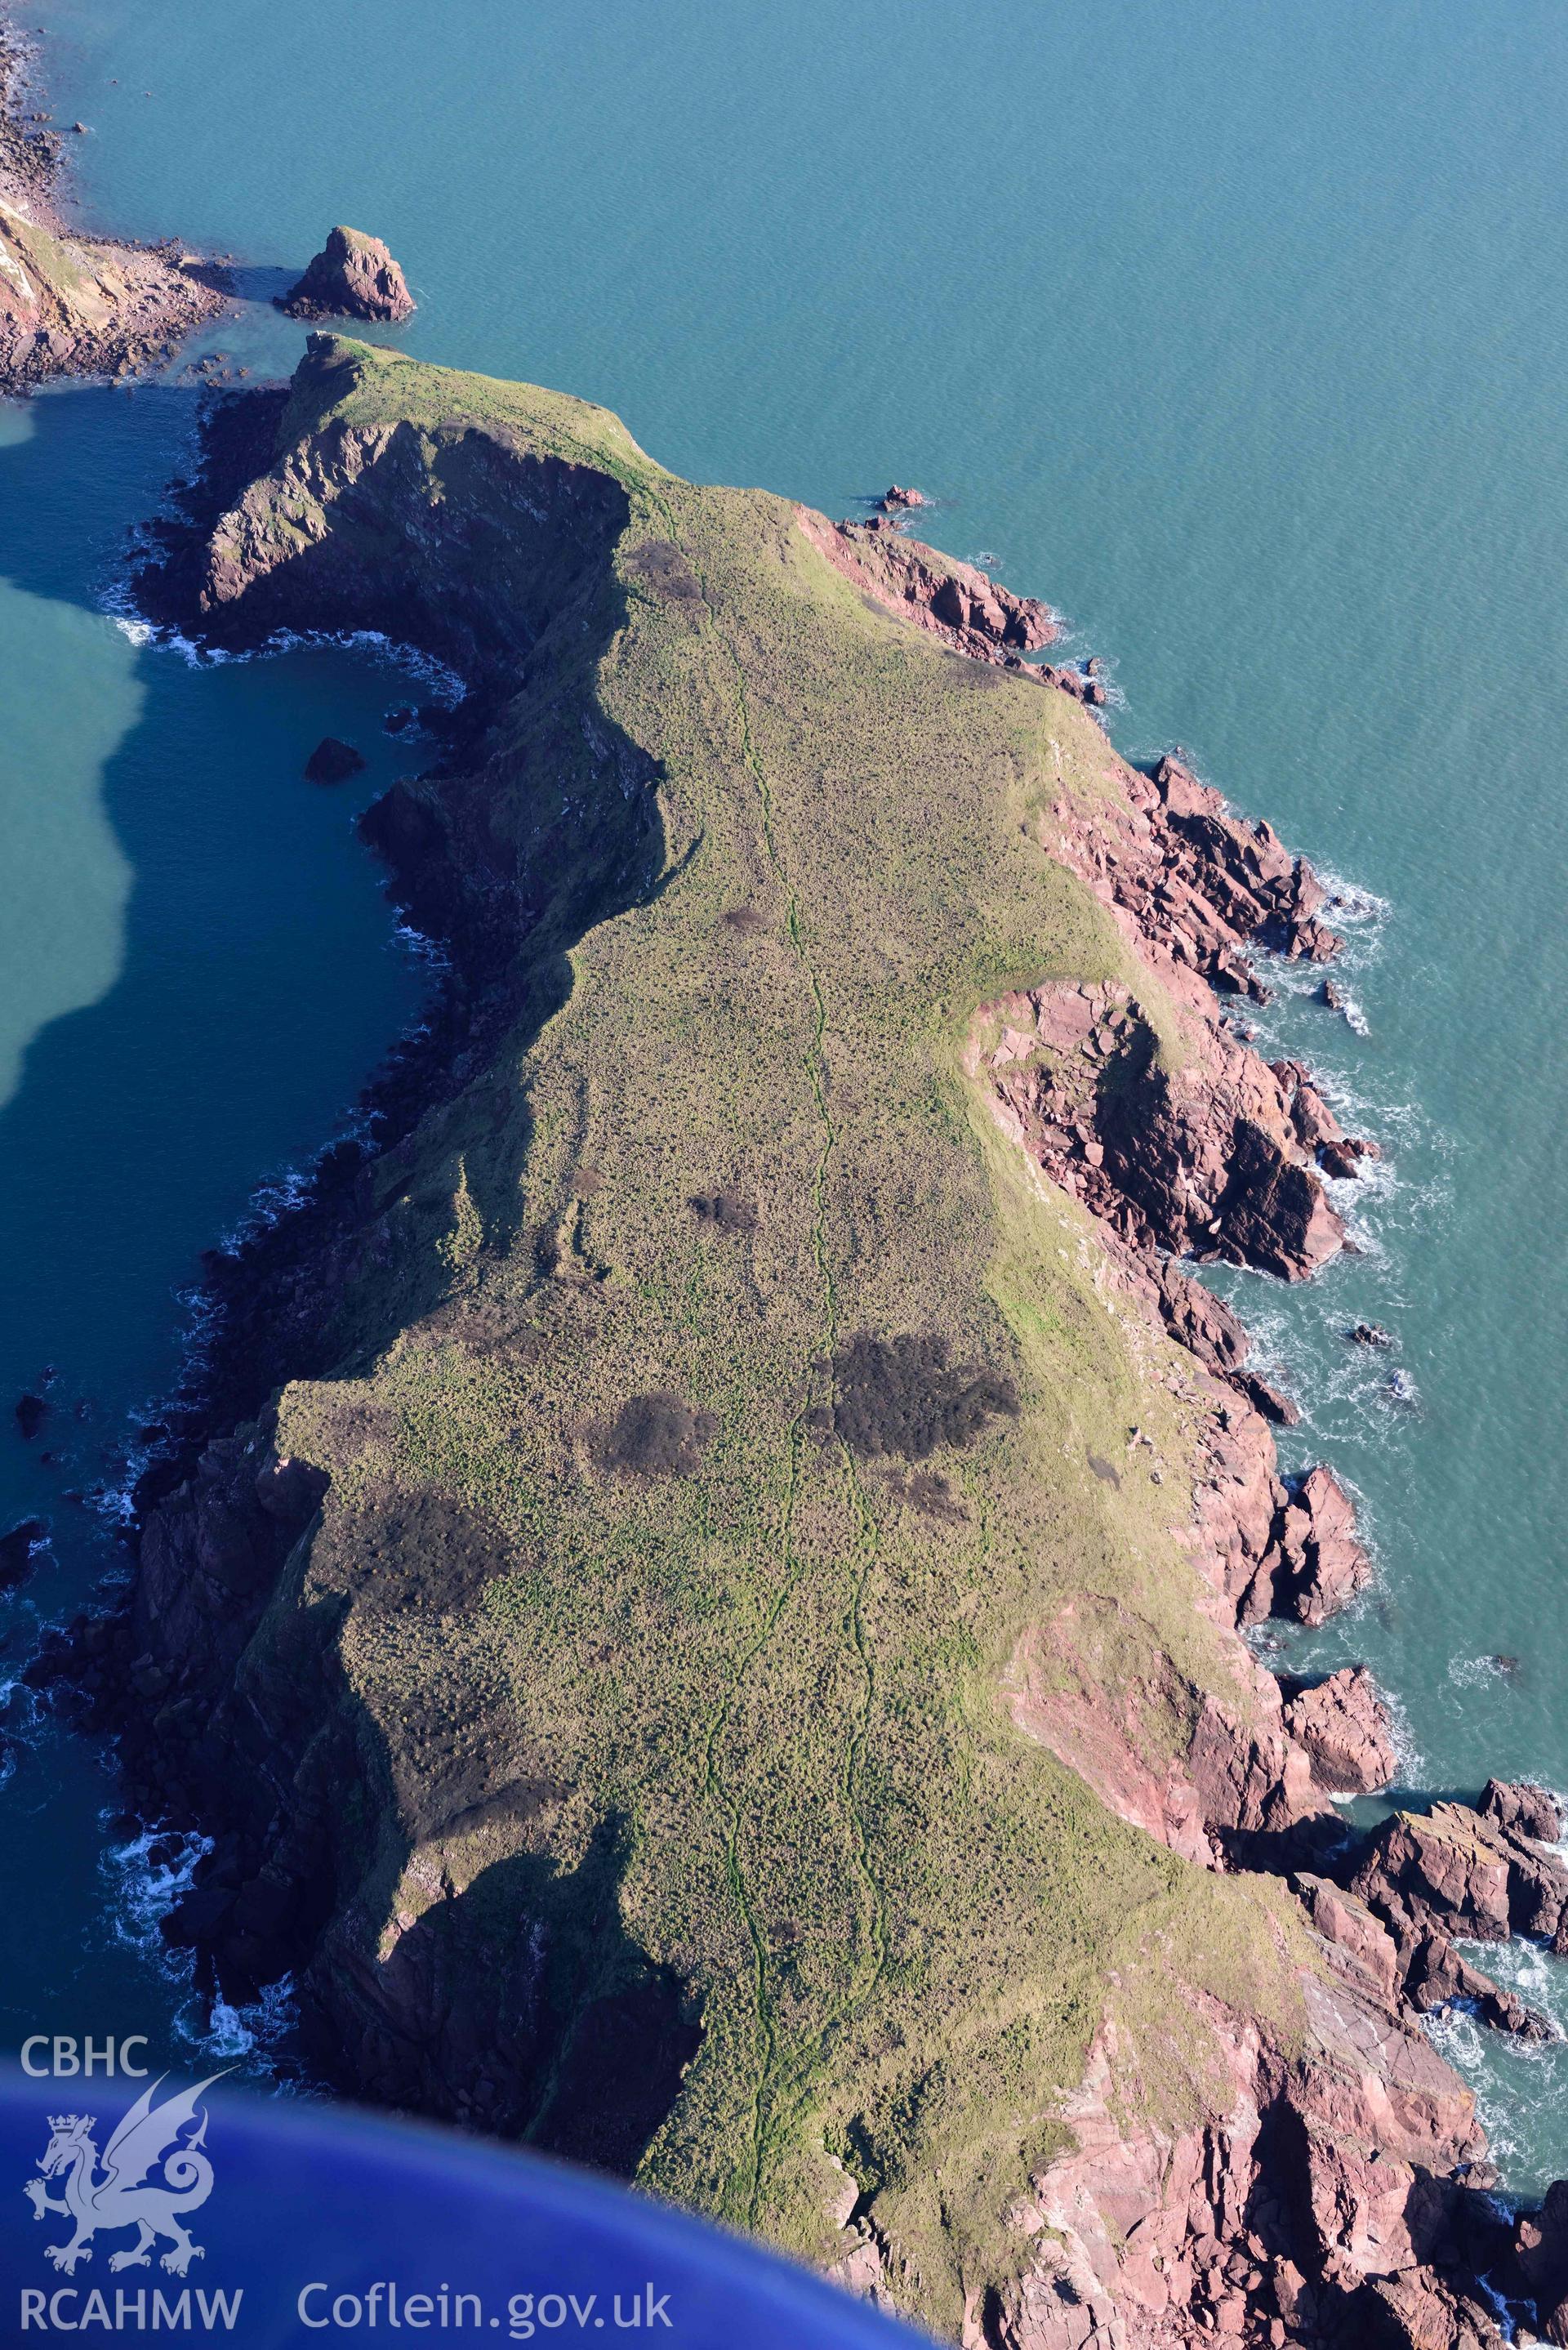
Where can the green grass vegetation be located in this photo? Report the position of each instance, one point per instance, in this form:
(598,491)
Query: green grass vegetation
(769,1654)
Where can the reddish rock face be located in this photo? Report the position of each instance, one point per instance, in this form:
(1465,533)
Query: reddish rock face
(1198,885)
(1453,1872)
(1203,1160)
(1524,1811)
(1305,2213)
(951,600)
(75,305)
(1538,2267)
(353,276)
(1316,1563)
(1343,1726)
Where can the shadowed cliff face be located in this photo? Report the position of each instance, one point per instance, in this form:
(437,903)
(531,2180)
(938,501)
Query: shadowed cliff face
(462,541)
(737,1570)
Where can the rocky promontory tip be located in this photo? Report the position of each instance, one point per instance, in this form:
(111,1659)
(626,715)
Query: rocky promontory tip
(352,277)
(77,305)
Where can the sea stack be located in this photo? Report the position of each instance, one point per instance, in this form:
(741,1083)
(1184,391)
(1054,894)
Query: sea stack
(352,277)
(333,761)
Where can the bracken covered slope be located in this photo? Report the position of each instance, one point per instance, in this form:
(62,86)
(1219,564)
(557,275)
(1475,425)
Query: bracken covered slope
(716,1651)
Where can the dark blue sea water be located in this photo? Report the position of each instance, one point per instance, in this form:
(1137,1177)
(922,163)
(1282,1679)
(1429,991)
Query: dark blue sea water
(1236,331)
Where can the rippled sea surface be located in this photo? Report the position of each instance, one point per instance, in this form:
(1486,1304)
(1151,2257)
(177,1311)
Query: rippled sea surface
(1235,331)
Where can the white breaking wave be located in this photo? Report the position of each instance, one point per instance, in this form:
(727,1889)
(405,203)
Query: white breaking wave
(444,683)
(148,1875)
(1352,904)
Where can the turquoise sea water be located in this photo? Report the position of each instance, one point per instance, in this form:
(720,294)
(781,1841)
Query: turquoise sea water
(1236,331)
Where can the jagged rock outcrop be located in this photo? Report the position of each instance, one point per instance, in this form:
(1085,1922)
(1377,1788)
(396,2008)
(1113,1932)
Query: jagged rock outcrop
(1239,1780)
(1203,1157)
(352,277)
(333,761)
(1313,2209)
(1316,1563)
(1524,1811)
(1454,1872)
(1536,2269)
(1201,886)
(1316,1126)
(962,606)
(73,304)
(1344,1725)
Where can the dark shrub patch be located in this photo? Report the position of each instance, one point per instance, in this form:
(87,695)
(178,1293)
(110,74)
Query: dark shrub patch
(660,562)
(903,1395)
(744,919)
(933,1494)
(489,1327)
(420,1551)
(656,1436)
(725,1210)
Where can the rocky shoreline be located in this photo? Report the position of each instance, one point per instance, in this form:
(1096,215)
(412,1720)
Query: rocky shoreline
(74,305)
(1339,2194)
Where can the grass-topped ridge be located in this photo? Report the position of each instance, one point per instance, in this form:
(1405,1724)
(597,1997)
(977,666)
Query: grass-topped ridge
(761,1392)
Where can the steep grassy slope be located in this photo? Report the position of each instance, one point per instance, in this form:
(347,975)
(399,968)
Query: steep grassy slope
(714,1397)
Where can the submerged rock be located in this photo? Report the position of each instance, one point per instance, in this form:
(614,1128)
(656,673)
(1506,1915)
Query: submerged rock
(31,1413)
(333,761)
(352,277)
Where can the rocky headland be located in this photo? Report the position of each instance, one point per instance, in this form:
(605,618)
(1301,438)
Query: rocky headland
(699,1593)
(73,304)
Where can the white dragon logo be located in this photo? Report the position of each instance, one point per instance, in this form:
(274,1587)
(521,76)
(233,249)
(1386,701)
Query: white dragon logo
(125,2197)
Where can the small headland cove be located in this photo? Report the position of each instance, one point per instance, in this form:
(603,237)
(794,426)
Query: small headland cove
(698,1588)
